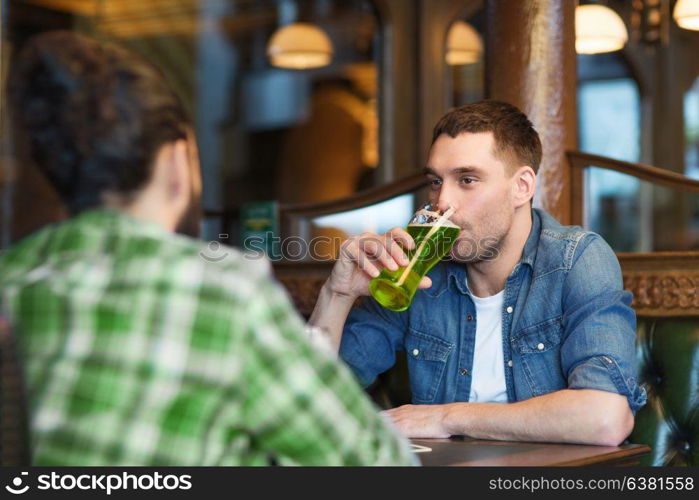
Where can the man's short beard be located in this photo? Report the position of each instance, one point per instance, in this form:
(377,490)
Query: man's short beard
(469,250)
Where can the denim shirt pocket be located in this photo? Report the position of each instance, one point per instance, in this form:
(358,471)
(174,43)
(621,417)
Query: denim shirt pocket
(539,350)
(427,360)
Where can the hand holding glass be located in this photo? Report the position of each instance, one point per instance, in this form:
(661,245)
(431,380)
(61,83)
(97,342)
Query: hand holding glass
(434,234)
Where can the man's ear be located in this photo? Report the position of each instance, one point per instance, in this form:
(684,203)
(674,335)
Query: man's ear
(194,165)
(179,178)
(524,184)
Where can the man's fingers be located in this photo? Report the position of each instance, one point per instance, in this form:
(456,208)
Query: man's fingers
(401,235)
(365,263)
(425,283)
(397,252)
(374,247)
(398,239)
(372,252)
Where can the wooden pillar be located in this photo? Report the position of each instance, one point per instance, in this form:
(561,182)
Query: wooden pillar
(530,62)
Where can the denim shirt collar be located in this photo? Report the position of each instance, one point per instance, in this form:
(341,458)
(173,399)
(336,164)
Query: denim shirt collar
(532,244)
(457,274)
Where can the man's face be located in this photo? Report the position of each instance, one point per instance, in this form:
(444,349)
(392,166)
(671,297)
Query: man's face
(464,173)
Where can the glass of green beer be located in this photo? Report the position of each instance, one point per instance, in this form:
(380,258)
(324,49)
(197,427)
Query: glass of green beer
(434,235)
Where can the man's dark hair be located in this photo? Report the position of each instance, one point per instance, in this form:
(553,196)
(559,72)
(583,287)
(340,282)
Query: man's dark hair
(91,116)
(516,141)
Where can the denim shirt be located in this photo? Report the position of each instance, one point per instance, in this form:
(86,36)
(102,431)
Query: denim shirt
(567,322)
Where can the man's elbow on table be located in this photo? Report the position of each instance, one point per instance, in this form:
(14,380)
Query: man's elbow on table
(614,419)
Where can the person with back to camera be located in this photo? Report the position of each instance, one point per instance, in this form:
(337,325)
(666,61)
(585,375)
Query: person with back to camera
(138,350)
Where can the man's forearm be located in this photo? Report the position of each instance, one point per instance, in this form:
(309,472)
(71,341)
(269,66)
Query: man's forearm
(330,312)
(580,416)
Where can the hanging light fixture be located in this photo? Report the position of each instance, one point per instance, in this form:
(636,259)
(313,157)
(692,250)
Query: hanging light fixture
(464,45)
(299,46)
(686,14)
(598,29)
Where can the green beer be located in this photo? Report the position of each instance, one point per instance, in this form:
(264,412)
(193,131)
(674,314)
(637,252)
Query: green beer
(395,289)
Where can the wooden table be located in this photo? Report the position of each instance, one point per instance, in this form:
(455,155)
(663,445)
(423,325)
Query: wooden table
(462,451)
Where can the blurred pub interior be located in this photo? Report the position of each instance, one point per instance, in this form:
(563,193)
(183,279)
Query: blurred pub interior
(314,117)
(358,114)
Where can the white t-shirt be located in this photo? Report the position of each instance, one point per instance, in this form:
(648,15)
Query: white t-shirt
(488,374)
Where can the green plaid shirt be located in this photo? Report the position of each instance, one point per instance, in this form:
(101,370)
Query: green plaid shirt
(137,350)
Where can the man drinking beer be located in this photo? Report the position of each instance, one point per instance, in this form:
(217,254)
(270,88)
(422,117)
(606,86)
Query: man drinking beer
(525,333)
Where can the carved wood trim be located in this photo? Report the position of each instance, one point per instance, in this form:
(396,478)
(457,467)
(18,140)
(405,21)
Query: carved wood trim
(303,292)
(664,284)
(303,282)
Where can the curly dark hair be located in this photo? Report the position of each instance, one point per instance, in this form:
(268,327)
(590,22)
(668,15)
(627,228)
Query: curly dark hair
(91,116)
(515,137)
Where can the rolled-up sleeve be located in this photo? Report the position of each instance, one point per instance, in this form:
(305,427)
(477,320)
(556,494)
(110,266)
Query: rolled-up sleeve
(599,344)
(370,339)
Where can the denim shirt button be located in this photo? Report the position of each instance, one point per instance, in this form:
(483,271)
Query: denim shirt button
(540,346)
(463,371)
(509,363)
(416,352)
(509,309)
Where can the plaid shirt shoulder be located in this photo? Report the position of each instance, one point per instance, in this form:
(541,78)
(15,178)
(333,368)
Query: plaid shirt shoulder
(142,347)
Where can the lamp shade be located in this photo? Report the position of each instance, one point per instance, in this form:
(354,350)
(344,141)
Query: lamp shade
(598,29)
(299,46)
(464,45)
(686,14)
